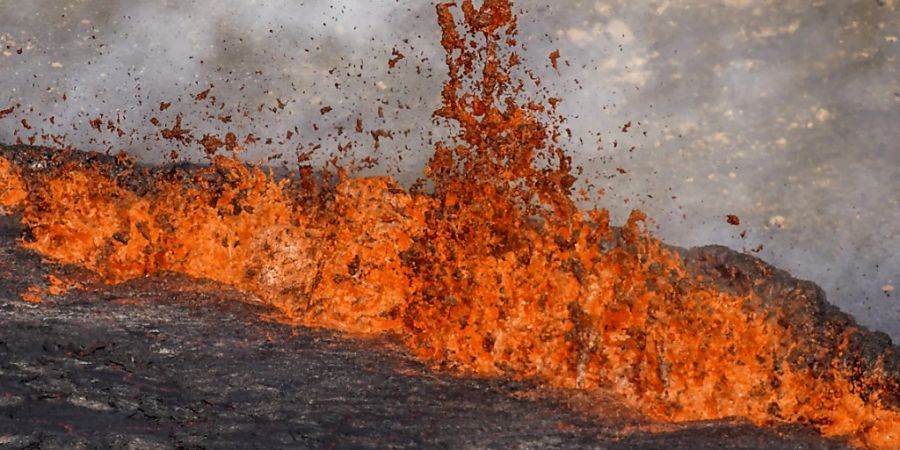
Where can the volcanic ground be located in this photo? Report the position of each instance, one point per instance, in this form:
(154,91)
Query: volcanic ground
(168,361)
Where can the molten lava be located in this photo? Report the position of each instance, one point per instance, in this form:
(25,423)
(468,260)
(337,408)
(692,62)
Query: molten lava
(494,273)
(12,189)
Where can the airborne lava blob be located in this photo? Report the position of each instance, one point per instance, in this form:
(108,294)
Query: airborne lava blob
(495,272)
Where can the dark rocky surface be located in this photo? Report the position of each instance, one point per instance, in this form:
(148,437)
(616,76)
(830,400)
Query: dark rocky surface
(171,362)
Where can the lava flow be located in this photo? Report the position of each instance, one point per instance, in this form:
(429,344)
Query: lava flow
(494,272)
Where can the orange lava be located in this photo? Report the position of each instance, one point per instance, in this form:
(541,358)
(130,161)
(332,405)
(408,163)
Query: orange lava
(494,273)
(55,287)
(12,189)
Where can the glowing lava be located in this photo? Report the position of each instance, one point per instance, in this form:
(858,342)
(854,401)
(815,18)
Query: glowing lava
(495,273)
(12,189)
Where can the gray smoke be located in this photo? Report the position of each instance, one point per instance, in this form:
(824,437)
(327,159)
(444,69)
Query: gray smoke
(784,113)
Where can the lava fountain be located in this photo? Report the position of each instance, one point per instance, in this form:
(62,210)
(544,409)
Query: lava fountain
(485,268)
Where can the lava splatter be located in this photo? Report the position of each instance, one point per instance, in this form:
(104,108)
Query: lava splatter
(493,271)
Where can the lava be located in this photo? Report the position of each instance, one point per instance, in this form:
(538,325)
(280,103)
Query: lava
(12,189)
(493,272)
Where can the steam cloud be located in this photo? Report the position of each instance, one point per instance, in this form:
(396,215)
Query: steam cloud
(784,113)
